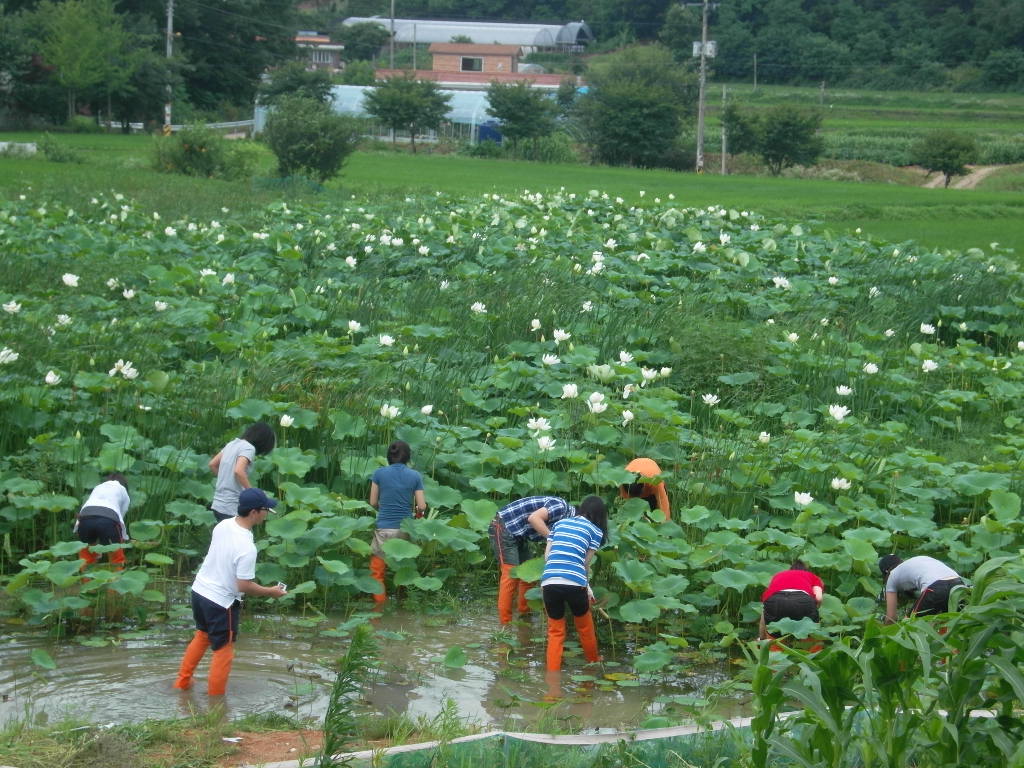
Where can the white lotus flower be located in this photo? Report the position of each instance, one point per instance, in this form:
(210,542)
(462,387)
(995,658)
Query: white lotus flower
(569,391)
(840,484)
(628,390)
(70,280)
(8,355)
(63,319)
(12,307)
(443,285)
(286,420)
(603,372)
(535,324)
(426,410)
(793,337)
(128,293)
(354,326)
(625,357)
(781,282)
(386,340)
(874,292)
(710,399)
(838,412)
(545,443)
(228,279)
(170,231)
(929,365)
(560,335)
(724,238)
(351,261)
(648,374)
(160,306)
(550,359)
(129,371)
(388,411)
(664,371)
(802,499)
(843,391)
(764,437)
(699,247)
(833,280)
(423,250)
(889,333)
(597,407)
(52,378)
(927,329)
(870,368)
(538,424)
(1020,344)
(207,272)
(587,306)
(627,416)
(479,308)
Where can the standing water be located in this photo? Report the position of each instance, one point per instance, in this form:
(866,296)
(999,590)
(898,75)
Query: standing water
(498,679)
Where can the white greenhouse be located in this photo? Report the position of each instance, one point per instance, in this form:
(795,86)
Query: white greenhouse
(569,37)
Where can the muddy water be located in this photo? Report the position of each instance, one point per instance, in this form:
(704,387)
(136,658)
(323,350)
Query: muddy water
(280,668)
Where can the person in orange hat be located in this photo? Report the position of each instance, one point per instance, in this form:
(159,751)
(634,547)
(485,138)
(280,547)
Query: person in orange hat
(653,493)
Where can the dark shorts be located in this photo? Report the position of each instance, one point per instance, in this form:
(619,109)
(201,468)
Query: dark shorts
(557,596)
(219,516)
(93,529)
(935,598)
(507,549)
(790,605)
(218,622)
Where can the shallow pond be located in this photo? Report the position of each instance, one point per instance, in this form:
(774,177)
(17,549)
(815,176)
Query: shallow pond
(281,666)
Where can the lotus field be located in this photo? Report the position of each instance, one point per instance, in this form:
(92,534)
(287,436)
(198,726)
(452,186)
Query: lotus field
(805,394)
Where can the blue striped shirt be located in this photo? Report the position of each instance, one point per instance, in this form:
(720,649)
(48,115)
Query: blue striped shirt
(514,516)
(571,539)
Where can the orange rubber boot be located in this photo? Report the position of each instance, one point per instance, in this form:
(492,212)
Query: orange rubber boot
(220,668)
(521,586)
(377,570)
(506,594)
(588,637)
(556,640)
(117,559)
(193,655)
(87,556)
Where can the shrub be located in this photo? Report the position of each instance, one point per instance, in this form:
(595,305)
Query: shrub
(946,152)
(82,124)
(308,138)
(57,153)
(199,151)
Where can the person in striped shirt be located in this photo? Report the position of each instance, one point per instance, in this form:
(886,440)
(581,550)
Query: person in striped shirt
(512,531)
(570,549)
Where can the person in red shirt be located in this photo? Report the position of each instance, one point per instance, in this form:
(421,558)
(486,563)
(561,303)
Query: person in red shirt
(793,594)
(653,493)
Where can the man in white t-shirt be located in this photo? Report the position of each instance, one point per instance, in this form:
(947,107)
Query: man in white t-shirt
(227,573)
(927,580)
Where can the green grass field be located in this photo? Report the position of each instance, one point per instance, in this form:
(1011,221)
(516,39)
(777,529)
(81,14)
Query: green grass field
(936,217)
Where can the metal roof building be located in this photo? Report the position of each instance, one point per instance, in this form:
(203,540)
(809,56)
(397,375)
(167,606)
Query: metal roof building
(530,36)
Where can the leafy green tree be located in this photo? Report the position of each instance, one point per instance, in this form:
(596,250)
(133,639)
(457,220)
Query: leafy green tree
(947,152)
(783,135)
(79,42)
(409,104)
(308,138)
(359,73)
(524,112)
(295,80)
(633,113)
(362,41)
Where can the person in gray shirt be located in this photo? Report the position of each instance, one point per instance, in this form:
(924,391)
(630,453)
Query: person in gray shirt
(926,579)
(231,466)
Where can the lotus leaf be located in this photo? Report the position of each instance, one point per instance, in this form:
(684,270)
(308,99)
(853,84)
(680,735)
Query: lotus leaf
(155,558)
(455,658)
(530,571)
(43,659)
(639,611)
(65,548)
(730,578)
(293,559)
(250,410)
(147,530)
(335,566)
(346,425)
(400,549)
(428,583)
(975,483)
(1005,505)
(440,496)
(654,657)
(131,582)
(479,512)
(152,596)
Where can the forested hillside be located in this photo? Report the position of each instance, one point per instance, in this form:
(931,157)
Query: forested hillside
(873,43)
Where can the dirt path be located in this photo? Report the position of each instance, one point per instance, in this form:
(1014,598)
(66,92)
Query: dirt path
(970,181)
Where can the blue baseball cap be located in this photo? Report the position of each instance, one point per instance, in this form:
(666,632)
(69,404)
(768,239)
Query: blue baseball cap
(254,498)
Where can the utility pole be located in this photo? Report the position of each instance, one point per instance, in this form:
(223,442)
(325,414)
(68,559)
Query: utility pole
(724,144)
(391,43)
(700,96)
(170,52)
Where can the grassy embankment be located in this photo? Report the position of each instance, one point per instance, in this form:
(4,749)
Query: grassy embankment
(939,218)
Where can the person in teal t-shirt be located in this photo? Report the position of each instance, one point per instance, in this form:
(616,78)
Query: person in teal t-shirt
(394,490)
